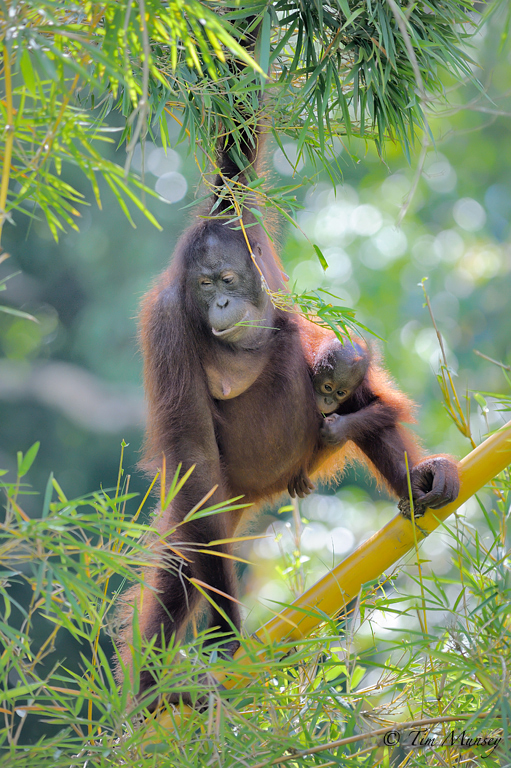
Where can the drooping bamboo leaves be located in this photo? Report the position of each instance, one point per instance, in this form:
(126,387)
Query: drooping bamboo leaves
(350,68)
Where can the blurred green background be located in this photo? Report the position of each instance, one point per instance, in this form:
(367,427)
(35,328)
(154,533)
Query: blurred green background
(73,381)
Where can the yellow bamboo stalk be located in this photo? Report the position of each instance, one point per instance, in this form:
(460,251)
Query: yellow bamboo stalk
(332,593)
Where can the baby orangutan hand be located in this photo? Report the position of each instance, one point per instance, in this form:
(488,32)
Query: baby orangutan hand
(335,430)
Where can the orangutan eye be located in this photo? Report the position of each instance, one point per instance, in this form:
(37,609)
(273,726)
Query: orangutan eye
(341,392)
(328,388)
(228,279)
(204,282)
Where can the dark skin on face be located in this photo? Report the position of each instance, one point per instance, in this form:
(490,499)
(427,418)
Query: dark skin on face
(239,315)
(338,374)
(230,295)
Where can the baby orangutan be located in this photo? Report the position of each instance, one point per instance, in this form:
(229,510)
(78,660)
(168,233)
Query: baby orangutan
(342,376)
(336,376)
(338,373)
(339,376)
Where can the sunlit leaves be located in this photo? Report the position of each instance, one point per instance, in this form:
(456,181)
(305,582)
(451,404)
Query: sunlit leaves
(69,63)
(347,65)
(343,69)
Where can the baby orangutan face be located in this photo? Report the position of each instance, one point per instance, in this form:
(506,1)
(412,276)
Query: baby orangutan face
(338,374)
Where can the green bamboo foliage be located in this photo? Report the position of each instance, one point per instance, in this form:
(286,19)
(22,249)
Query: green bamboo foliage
(347,68)
(444,668)
(350,69)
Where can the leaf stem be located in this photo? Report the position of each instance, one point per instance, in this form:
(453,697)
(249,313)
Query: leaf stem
(9,128)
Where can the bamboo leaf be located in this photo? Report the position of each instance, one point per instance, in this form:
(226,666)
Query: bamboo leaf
(26,461)
(320,256)
(17,313)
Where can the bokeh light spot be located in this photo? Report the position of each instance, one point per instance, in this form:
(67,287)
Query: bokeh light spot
(469,214)
(286,162)
(160,163)
(172,187)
